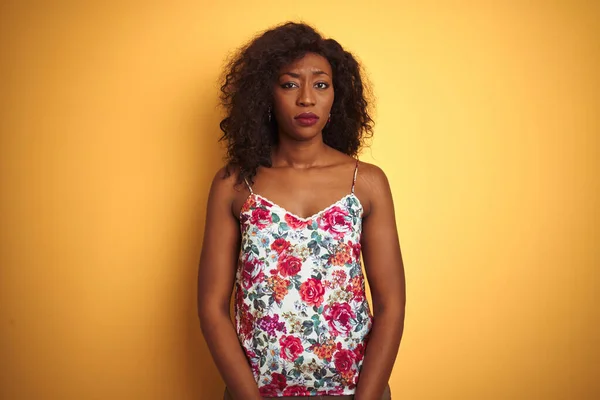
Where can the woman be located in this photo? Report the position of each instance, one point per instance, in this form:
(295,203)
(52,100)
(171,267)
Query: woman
(293,209)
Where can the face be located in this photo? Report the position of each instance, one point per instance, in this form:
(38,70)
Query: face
(303,97)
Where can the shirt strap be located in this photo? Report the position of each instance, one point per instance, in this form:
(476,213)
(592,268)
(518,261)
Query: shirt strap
(248,185)
(355,174)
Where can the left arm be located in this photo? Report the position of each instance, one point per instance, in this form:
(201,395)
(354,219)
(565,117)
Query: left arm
(385,274)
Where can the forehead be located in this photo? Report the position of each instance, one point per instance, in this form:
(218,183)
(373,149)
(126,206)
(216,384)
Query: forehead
(310,62)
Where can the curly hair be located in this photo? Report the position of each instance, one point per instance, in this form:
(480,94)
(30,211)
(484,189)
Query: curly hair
(247,96)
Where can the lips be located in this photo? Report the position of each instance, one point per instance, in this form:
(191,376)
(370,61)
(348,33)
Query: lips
(306,119)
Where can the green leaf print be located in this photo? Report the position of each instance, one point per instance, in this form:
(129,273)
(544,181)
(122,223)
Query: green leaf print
(308,330)
(307,324)
(275,218)
(259,304)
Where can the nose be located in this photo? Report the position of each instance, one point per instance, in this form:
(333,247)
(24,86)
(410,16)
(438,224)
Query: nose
(306,97)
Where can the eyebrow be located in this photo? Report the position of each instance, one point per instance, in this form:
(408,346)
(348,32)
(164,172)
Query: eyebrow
(295,75)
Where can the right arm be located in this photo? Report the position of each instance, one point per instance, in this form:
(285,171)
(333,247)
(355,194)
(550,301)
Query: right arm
(220,249)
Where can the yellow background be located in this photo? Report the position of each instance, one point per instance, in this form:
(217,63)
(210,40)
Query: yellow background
(487,126)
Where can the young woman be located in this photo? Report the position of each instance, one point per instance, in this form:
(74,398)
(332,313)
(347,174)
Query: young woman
(288,218)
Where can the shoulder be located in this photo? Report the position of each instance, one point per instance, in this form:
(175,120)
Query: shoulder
(372,186)
(224,178)
(371,176)
(225,184)
(227,192)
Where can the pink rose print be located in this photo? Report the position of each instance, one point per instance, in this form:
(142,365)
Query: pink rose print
(296,391)
(252,272)
(289,265)
(291,347)
(264,203)
(294,222)
(330,392)
(343,360)
(278,382)
(355,249)
(280,245)
(260,217)
(359,352)
(339,317)
(335,222)
(312,291)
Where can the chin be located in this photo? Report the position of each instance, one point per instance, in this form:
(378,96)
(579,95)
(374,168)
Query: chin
(306,133)
(301,133)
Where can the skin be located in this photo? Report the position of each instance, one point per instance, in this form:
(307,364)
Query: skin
(306,177)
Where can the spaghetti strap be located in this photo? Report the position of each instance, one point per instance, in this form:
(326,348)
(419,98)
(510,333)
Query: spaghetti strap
(248,185)
(354,179)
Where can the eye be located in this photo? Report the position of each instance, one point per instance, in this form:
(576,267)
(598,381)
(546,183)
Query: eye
(288,85)
(321,85)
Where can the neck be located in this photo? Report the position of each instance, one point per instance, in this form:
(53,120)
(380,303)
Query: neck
(298,154)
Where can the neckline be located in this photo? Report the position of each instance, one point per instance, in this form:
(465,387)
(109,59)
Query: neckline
(303,219)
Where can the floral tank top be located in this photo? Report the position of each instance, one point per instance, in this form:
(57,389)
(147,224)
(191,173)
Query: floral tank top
(300,309)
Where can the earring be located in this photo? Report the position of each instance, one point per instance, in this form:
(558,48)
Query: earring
(329,119)
(269,114)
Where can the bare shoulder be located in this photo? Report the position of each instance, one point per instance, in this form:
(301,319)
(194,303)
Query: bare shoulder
(372,186)
(371,177)
(224,187)
(224,180)
(227,191)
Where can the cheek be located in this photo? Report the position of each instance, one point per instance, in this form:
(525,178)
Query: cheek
(282,103)
(327,101)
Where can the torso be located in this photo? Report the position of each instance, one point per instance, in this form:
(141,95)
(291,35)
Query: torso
(301,312)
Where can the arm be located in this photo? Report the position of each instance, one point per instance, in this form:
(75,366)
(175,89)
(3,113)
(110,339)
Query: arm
(216,276)
(385,274)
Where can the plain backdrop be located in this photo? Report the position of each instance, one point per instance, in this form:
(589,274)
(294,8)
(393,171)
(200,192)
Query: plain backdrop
(487,127)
